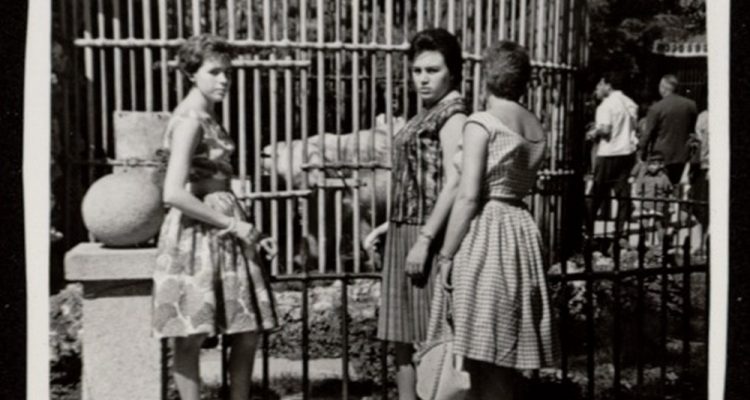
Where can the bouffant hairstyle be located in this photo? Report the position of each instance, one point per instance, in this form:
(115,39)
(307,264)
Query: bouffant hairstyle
(197,49)
(507,69)
(444,42)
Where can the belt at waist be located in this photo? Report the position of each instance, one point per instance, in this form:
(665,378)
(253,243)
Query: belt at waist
(513,201)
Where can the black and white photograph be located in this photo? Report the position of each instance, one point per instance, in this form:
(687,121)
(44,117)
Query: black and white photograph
(377,199)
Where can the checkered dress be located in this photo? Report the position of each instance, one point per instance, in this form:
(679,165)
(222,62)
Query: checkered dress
(501,307)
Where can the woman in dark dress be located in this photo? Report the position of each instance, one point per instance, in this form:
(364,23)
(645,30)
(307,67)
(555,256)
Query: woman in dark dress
(424,182)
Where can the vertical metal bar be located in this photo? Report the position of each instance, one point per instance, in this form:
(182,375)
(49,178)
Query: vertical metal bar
(355,130)
(590,327)
(241,107)
(373,114)
(164,69)
(438,13)
(663,310)
(502,28)
(304,125)
(288,122)
(488,27)
(389,91)
(640,307)
(257,123)
(617,314)
(132,56)
(88,54)
(420,15)
(180,33)
(116,34)
(514,20)
(687,308)
(273,92)
(148,57)
(477,51)
(103,92)
(465,39)
(451,26)
(405,74)
(305,337)
(522,23)
(196,9)
(231,35)
(338,220)
(345,337)
(322,240)
(213,16)
(338,80)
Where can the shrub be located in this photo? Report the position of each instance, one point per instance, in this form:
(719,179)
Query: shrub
(66,313)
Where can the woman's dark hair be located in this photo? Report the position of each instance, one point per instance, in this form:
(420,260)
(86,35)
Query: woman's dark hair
(507,69)
(444,42)
(199,48)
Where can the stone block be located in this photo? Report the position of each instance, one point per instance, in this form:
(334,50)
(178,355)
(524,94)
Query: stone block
(120,358)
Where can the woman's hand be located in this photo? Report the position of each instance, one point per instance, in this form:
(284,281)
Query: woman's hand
(416,260)
(268,244)
(446,269)
(373,238)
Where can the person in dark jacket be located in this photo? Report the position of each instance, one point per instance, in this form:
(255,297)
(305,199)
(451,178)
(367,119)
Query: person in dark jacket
(669,123)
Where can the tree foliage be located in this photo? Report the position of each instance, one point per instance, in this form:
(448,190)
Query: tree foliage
(623,32)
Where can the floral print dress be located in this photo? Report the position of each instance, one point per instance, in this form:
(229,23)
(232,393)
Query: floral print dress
(203,283)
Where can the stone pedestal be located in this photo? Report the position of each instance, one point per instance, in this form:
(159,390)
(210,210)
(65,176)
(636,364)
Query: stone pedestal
(120,358)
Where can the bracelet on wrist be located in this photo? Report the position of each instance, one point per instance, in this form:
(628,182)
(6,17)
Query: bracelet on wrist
(443,257)
(231,228)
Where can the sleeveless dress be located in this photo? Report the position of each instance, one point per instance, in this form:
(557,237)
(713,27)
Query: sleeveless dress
(417,179)
(202,283)
(501,310)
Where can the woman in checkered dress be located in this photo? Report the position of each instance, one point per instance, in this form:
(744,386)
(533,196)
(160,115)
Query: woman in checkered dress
(492,250)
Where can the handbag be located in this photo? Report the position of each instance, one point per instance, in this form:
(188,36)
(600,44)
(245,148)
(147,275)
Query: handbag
(440,375)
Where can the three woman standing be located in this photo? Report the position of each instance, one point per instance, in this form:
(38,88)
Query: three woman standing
(207,279)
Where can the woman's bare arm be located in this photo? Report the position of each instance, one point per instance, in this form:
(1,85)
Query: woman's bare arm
(475,141)
(186,135)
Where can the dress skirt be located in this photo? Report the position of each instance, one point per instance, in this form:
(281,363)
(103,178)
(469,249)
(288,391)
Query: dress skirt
(206,284)
(404,302)
(500,309)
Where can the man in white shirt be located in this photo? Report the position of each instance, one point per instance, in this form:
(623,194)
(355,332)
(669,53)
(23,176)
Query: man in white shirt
(615,132)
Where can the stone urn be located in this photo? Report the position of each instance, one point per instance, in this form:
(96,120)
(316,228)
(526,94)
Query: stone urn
(123,209)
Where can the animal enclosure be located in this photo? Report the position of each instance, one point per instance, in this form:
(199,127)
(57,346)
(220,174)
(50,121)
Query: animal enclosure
(319,89)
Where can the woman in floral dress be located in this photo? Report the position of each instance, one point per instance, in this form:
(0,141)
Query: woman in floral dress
(207,280)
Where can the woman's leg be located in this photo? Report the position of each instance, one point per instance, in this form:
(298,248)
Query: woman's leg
(491,382)
(241,360)
(186,366)
(406,378)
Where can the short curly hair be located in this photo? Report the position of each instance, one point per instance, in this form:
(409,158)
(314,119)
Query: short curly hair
(445,43)
(507,69)
(197,49)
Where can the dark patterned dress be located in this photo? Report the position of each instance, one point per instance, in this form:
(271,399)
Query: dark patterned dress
(501,307)
(417,179)
(204,284)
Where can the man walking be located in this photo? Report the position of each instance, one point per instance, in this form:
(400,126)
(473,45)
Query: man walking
(669,123)
(615,131)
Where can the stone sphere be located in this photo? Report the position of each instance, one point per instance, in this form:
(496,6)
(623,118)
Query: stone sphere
(123,209)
